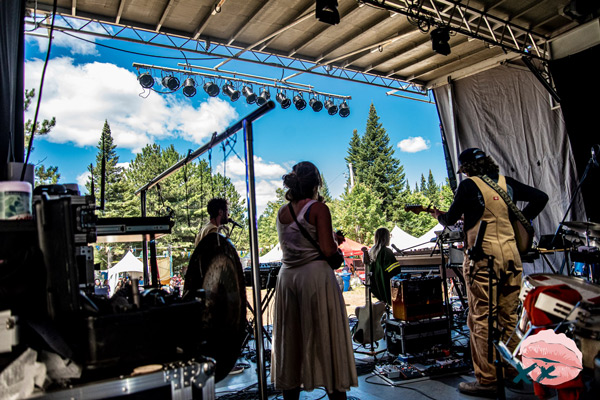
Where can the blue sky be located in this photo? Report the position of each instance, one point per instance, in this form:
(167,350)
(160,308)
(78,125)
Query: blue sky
(87,84)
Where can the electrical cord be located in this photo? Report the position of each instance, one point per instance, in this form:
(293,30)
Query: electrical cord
(401,386)
(37,108)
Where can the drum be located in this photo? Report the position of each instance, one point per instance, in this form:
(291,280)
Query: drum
(590,294)
(584,316)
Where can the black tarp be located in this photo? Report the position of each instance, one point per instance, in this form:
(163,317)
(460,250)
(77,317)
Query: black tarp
(11,82)
(578,84)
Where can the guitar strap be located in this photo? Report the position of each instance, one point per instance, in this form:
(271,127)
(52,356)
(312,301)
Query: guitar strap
(305,233)
(515,210)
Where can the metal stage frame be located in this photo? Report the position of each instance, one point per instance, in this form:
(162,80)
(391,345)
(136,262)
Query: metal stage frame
(245,124)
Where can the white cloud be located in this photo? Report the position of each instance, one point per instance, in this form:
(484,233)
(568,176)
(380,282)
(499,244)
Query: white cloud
(83,96)
(414,144)
(267,179)
(262,169)
(70,41)
(82,180)
(123,165)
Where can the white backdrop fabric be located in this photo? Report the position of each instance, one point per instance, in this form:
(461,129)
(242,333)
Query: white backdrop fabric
(507,112)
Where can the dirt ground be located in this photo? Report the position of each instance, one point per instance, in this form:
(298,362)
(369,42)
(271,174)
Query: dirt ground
(353,298)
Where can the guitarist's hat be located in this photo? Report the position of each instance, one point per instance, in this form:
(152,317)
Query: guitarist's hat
(468,156)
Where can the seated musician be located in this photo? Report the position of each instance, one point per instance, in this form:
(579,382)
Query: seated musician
(383,266)
(218,212)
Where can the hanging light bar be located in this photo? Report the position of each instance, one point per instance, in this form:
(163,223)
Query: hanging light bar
(229,84)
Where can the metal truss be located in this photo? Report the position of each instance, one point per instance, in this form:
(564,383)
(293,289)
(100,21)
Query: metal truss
(72,25)
(230,76)
(469,21)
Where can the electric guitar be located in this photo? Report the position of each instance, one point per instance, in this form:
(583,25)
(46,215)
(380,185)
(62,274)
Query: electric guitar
(418,208)
(369,315)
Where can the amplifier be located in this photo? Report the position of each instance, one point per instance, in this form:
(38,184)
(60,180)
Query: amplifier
(416,298)
(403,337)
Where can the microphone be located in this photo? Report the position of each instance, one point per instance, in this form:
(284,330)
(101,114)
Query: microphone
(232,222)
(595,149)
(397,249)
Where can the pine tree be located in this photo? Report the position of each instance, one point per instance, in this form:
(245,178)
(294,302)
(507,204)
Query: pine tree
(324,191)
(432,190)
(267,222)
(354,151)
(43,175)
(116,193)
(376,166)
(423,187)
(46,176)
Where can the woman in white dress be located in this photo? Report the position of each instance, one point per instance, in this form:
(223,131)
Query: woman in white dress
(311,337)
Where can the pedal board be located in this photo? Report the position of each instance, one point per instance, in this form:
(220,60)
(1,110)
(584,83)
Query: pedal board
(398,371)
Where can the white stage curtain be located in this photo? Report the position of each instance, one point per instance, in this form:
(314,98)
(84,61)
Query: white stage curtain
(506,112)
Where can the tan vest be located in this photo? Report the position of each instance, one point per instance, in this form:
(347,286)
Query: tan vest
(499,239)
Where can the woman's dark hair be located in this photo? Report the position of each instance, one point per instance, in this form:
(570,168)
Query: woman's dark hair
(482,166)
(301,182)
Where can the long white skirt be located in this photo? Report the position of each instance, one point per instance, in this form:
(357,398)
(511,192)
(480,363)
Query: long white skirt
(311,336)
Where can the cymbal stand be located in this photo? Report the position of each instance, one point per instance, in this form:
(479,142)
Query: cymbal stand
(592,162)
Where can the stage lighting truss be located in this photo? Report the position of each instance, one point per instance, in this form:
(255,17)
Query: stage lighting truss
(234,84)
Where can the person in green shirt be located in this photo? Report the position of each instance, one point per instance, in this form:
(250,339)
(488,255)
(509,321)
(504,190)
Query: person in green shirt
(383,266)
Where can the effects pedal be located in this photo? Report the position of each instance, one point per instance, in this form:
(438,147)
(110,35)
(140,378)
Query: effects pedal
(398,371)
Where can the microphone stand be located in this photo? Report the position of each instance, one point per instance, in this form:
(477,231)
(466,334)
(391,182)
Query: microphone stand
(476,254)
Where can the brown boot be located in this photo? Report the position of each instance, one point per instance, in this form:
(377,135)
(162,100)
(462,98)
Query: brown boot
(477,389)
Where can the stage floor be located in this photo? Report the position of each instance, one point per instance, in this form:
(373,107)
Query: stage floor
(371,385)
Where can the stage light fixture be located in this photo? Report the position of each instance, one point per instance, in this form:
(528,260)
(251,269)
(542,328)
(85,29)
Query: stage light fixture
(170,82)
(231,92)
(146,80)
(344,109)
(327,11)
(263,98)
(315,104)
(189,87)
(331,107)
(439,40)
(283,100)
(249,95)
(299,102)
(211,88)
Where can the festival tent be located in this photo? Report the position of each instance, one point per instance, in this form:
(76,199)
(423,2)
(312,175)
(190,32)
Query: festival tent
(272,256)
(129,263)
(351,248)
(403,240)
(426,238)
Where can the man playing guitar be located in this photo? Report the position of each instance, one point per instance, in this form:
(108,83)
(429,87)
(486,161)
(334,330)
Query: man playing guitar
(478,199)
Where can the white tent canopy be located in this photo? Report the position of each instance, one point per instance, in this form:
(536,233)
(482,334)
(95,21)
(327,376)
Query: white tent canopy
(272,256)
(129,263)
(427,237)
(401,239)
